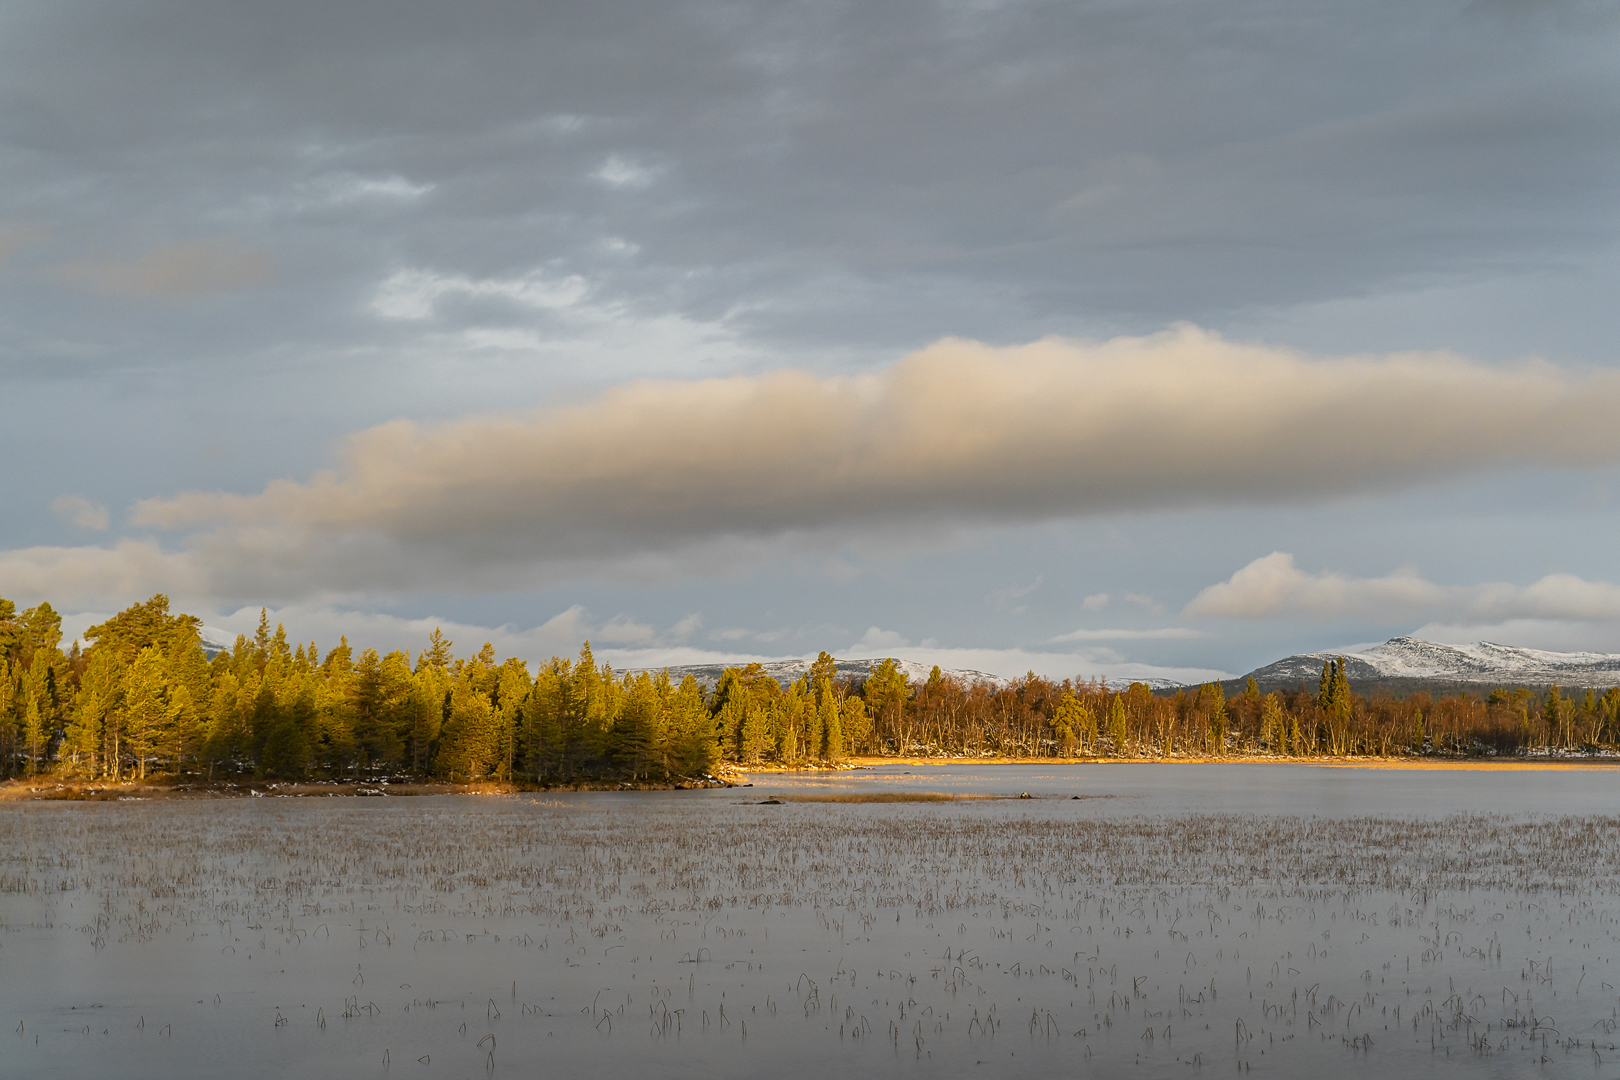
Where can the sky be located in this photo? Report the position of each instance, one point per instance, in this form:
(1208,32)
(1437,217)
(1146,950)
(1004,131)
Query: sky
(1099,339)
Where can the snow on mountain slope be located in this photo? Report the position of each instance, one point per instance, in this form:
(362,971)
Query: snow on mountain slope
(786,671)
(216,641)
(1481,662)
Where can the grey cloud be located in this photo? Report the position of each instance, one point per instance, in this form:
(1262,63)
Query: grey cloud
(186,269)
(14,236)
(852,176)
(96,577)
(802,185)
(1164,633)
(81,512)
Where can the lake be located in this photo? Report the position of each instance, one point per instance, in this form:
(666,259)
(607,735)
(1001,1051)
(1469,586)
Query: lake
(1267,919)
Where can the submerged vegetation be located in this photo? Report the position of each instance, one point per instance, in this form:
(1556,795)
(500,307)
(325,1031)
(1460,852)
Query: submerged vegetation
(143,697)
(693,933)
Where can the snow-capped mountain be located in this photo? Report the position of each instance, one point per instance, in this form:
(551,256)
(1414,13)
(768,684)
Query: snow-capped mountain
(786,671)
(1482,662)
(216,641)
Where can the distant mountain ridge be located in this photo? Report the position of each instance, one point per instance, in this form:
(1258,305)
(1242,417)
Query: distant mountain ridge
(215,641)
(1409,660)
(787,671)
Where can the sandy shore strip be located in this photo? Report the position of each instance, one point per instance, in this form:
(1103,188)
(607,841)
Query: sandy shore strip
(1552,764)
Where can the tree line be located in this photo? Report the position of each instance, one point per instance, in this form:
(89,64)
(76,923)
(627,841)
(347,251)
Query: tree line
(141,696)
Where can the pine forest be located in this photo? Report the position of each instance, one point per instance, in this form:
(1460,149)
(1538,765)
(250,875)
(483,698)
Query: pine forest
(140,697)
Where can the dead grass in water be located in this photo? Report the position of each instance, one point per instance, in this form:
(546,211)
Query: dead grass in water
(1326,935)
(888,797)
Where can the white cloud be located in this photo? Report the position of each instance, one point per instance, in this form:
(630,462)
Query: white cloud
(1001,596)
(621,172)
(1012,663)
(411,294)
(1549,634)
(1095,602)
(1147,603)
(81,512)
(1275,587)
(98,577)
(877,640)
(338,189)
(623,630)
(563,633)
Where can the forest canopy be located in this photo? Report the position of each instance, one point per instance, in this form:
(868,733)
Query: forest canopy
(141,696)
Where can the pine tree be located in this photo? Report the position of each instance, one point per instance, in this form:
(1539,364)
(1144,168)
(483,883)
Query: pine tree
(887,691)
(1217,720)
(832,727)
(33,732)
(227,740)
(469,745)
(812,735)
(823,670)
(1069,722)
(544,727)
(694,750)
(586,719)
(83,735)
(438,655)
(1336,705)
(1273,725)
(285,726)
(512,690)
(855,727)
(261,639)
(146,707)
(1117,728)
(636,733)
(9,629)
(790,726)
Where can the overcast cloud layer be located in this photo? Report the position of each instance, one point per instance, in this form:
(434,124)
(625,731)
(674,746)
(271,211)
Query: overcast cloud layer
(491,311)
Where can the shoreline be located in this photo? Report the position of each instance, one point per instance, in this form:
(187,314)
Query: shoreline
(48,790)
(1239,759)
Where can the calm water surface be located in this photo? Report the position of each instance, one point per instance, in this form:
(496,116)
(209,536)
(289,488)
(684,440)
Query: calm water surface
(1270,919)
